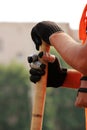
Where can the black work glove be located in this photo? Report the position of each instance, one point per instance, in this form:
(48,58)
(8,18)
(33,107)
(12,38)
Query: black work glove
(56,75)
(42,31)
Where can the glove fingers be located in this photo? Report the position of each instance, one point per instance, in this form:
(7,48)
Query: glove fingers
(47,57)
(37,72)
(35,78)
(36,38)
(32,58)
(36,75)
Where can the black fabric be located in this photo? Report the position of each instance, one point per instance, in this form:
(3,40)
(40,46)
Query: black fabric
(56,75)
(36,74)
(84,90)
(83,78)
(44,30)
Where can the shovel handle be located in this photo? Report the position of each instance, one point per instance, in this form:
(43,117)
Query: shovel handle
(40,95)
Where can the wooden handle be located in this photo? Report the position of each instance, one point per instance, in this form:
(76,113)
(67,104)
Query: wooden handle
(40,95)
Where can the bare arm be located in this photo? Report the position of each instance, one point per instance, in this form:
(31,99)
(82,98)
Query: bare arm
(74,53)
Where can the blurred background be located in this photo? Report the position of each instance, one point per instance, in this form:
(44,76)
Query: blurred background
(17,17)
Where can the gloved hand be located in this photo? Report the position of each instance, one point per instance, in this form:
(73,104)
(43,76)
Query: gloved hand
(42,31)
(56,75)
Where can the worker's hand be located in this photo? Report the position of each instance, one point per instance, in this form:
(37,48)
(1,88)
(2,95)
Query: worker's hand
(56,75)
(42,31)
(81,99)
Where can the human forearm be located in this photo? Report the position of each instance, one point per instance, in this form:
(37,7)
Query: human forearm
(72,52)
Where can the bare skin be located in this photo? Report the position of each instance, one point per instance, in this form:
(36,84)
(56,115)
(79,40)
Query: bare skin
(74,53)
